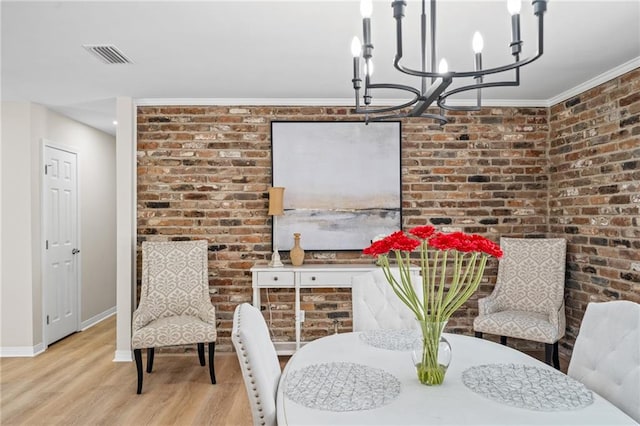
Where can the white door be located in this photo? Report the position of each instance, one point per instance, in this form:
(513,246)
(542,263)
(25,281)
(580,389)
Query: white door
(60,282)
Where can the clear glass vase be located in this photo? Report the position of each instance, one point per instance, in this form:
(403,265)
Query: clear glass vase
(433,359)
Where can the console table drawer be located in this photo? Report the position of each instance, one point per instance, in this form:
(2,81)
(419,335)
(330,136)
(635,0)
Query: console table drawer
(275,279)
(326,279)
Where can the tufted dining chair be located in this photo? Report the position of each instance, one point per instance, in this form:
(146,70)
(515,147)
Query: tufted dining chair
(258,362)
(376,306)
(528,299)
(175,307)
(606,355)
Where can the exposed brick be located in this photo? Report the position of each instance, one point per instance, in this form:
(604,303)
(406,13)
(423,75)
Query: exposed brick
(569,171)
(595,191)
(158,205)
(572,102)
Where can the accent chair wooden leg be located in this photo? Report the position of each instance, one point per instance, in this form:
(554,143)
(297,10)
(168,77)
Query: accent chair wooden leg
(212,370)
(150,354)
(201,353)
(556,356)
(548,353)
(503,340)
(137,353)
(479,334)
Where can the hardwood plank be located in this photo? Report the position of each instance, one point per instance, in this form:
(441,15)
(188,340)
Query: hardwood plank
(76,382)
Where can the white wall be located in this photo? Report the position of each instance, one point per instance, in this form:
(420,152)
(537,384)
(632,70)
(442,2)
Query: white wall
(24,126)
(126,223)
(16,304)
(97,171)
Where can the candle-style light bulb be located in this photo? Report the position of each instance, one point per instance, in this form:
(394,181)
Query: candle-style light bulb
(368,68)
(366,8)
(356,47)
(477,43)
(443,67)
(513,6)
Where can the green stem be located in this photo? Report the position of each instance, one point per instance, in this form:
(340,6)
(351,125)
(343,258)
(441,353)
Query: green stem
(443,277)
(432,290)
(424,267)
(429,371)
(455,282)
(474,282)
(406,293)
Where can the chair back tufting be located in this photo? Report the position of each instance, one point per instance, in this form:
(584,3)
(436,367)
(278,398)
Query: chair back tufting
(376,306)
(606,355)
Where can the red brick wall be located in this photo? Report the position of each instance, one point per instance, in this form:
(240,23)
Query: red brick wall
(594,193)
(570,170)
(203,172)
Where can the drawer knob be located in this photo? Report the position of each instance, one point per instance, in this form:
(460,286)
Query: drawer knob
(275,278)
(313,278)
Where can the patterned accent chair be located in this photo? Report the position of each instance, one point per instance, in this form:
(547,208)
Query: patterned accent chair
(606,355)
(528,299)
(375,305)
(258,362)
(175,307)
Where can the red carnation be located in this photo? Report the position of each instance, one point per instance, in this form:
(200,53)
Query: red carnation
(485,245)
(399,241)
(453,241)
(422,232)
(377,248)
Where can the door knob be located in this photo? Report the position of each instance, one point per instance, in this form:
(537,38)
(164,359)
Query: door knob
(75,251)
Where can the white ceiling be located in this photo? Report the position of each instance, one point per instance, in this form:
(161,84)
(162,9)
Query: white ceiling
(285,51)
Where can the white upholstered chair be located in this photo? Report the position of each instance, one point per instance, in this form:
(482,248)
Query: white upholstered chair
(175,307)
(528,299)
(376,306)
(606,355)
(258,362)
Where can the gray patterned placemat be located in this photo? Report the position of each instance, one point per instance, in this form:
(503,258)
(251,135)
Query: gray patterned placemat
(341,386)
(393,340)
(526,386)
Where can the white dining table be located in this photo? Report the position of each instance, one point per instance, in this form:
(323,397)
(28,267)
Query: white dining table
(449,403)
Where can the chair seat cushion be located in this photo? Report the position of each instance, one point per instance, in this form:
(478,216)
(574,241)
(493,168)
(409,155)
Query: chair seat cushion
(519,324)
(176,330)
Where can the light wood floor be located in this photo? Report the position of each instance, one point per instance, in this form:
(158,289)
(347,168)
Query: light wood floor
(76,382)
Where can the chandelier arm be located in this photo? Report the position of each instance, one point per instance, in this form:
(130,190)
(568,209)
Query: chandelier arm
(442,99)
(480,73)
(414,100)
(443,120)
(452,74)
(396,87)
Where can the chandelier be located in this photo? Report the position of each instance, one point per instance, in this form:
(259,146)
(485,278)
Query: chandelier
(434,83)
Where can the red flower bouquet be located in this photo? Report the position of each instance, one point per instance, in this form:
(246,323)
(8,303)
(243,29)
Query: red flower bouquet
(451,267)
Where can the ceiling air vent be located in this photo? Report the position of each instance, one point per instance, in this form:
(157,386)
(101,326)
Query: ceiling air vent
(109,54)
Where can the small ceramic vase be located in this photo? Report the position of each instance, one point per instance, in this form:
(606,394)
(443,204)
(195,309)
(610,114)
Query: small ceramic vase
(297,253)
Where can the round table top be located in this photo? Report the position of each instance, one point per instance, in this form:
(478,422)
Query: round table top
(450,403)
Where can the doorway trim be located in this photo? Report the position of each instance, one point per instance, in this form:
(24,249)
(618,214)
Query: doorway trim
(43,250)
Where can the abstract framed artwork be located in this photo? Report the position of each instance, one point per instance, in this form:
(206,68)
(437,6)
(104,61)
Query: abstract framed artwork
(342,182)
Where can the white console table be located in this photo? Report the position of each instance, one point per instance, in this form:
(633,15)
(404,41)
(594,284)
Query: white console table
(297,277)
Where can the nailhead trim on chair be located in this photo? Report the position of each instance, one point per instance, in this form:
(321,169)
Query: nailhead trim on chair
(246,361)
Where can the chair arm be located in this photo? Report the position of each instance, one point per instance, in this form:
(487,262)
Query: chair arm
(207,312)
(488,305)
(141,317)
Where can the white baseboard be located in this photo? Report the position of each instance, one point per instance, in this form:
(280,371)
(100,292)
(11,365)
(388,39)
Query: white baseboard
(97,318)
(123,356)
(21,351)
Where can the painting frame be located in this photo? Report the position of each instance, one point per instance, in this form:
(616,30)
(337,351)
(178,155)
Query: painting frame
(342,180)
